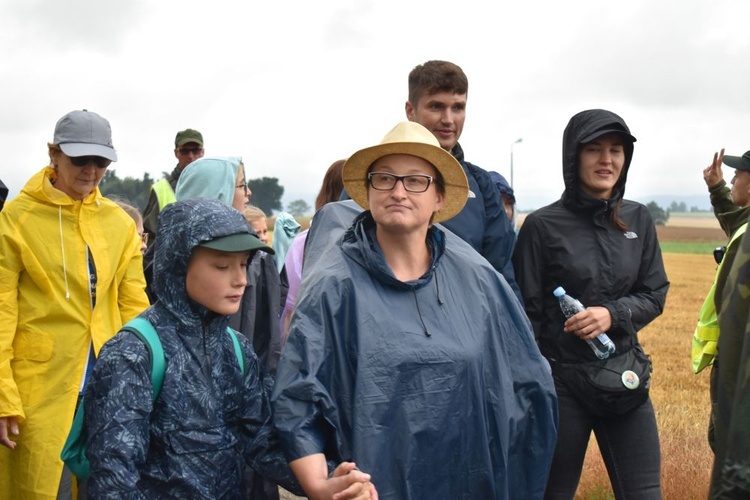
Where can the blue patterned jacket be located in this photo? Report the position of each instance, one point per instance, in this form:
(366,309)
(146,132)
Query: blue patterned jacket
(210,419)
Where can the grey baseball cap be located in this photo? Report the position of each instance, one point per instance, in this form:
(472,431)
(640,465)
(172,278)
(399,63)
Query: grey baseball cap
(84,133)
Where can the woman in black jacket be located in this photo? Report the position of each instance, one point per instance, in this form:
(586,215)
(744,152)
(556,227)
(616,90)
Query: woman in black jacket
(604,251)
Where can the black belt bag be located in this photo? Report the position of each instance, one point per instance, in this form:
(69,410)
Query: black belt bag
(609,387)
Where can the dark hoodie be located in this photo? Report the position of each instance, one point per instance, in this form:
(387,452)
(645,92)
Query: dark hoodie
(578,242)
(209,419)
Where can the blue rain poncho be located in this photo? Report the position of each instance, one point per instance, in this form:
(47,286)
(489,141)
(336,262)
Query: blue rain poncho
(434,386)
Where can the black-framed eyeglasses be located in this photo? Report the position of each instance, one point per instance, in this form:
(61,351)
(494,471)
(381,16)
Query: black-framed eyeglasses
(719,253)
(413,183)
(187,151)
(82,161)
(242,185)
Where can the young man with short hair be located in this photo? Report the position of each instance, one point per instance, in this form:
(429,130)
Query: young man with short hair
(437,100)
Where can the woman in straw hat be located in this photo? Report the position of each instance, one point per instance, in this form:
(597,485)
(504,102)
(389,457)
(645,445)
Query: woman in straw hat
(406,347)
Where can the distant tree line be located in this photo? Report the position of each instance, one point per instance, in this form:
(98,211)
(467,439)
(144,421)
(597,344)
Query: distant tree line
(266,192)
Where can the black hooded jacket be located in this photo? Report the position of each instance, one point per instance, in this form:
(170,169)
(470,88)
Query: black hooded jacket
(575,243)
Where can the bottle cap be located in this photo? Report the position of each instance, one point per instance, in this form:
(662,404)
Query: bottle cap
(558,292)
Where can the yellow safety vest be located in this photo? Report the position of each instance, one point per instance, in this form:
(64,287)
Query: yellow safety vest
(706,335)
(164,193)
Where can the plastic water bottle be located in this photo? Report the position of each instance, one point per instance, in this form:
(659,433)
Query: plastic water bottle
(602,345)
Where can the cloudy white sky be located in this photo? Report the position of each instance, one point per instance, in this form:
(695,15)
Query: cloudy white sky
(292,86)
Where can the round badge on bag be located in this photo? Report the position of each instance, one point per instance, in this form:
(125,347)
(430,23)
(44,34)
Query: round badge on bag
(630,379)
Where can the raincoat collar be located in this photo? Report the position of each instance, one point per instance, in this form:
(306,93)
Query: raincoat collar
(40,187)
(360,244)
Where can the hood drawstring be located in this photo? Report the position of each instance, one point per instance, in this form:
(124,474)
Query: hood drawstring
(437,288)
(419,312)
(62,249)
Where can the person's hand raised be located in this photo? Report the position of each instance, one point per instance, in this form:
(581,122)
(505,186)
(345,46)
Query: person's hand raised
(713,174)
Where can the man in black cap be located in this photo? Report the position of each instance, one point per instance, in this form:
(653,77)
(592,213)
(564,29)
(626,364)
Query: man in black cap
(188,147)
(732,208)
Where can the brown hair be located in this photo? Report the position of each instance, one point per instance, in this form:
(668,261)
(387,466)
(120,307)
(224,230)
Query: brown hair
(332,186)
(436,76)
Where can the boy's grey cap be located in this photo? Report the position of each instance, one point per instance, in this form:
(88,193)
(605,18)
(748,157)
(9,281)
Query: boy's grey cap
(239,242)
(84,133)
(738,162)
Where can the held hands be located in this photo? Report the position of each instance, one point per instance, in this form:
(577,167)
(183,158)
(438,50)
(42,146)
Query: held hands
(712,174)
(358,485)
(8,426)
(347,482)
(589,324)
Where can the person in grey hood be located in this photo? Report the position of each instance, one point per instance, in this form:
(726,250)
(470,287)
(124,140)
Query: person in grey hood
(604,251)
(212,416)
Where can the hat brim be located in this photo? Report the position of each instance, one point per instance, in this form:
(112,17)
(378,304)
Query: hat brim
(454,179)
(182,142)
(605,131)
(74,149)
(737,162)
(239,242)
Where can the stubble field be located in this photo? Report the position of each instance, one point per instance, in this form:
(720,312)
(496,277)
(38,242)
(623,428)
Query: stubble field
(679,396)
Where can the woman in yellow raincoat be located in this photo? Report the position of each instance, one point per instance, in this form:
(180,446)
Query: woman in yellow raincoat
(70,275)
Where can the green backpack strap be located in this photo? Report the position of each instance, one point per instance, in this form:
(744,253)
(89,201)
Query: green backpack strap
(74,450)
(237,349)
(144,330)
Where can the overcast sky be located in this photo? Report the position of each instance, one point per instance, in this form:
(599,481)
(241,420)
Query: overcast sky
(292,86)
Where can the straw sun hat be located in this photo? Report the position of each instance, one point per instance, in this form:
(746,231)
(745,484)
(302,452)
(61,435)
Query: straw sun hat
(409,138)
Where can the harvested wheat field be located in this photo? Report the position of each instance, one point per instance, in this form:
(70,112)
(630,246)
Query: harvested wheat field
(680,397)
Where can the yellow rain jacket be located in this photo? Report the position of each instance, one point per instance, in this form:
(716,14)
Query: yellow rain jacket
(46,320)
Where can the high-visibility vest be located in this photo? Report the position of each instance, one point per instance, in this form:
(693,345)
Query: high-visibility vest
(164,193)
(706,335)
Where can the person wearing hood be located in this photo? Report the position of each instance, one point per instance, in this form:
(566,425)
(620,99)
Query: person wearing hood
(223,179)
(407,352)
(71,274)
(507,195)
(212,415)
(603,250)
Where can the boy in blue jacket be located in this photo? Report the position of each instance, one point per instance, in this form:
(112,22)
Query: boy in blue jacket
(210,418)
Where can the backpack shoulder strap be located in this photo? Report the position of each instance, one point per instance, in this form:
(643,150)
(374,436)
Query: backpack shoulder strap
(237,349)
(144,330)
